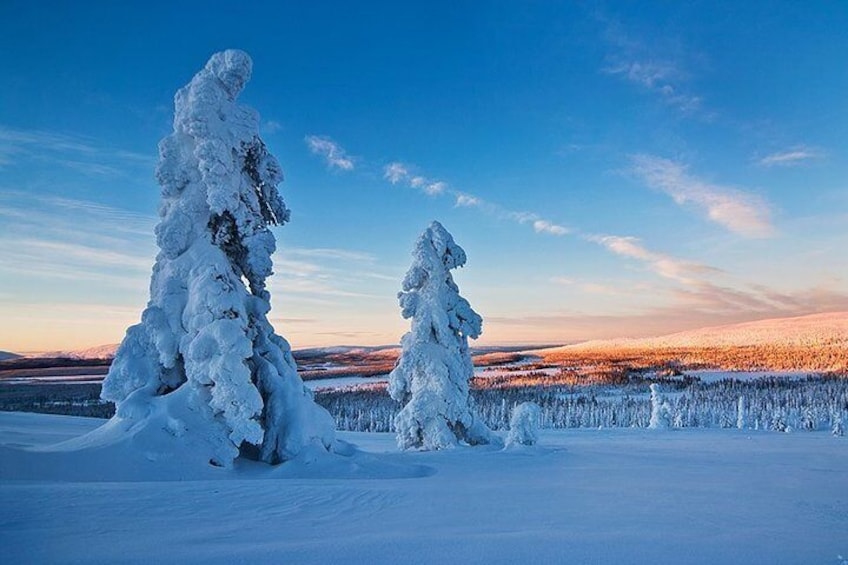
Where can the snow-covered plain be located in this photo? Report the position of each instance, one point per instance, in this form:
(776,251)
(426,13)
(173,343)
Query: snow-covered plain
(581,496)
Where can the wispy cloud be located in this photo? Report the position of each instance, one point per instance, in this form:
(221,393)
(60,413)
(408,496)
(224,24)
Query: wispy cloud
(792,157)
(466,200)
(639,64)
(83,154)
(329,253)
(659,77)
(544,226)
(271,127)
(333,153)
(539,224)
(395,172)
(664,265)
(50,239)
(690,309)
(738,211)
(400,173)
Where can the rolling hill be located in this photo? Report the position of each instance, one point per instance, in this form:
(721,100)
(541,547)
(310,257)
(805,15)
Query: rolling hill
(830,329)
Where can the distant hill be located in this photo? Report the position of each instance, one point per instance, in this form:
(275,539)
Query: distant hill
(6,355)
(98,352)
(830,329)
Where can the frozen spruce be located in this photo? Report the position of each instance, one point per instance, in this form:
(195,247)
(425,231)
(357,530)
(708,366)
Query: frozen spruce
(660,410)
(204,358)
(524,424)
(741,422)
(432,374)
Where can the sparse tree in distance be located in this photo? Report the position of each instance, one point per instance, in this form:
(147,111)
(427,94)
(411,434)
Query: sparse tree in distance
(660,419)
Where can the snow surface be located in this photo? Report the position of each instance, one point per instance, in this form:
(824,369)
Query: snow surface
(591,496)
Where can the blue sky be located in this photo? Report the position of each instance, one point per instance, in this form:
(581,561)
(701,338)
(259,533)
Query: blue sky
(611,169)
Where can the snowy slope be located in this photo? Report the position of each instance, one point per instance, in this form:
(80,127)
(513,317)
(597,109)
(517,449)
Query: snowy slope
(602,496)
(816,329)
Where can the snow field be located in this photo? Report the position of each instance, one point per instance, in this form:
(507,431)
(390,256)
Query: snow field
(579,496)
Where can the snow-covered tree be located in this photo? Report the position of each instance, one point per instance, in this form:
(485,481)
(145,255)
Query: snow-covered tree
(524,424)
(660,417)
(740,413)
(204,345)
(431,377)
(837,430)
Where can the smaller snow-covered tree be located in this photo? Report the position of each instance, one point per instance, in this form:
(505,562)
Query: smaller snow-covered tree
(837,430)
(740,413)
(431,377)
(524,424)
(660,412)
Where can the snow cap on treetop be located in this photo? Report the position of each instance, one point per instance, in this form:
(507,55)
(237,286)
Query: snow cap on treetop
(452,255)
(233,68)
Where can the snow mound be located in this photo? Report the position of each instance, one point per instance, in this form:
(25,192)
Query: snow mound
(160,447)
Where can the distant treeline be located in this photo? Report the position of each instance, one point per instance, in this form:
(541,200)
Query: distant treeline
(814,403)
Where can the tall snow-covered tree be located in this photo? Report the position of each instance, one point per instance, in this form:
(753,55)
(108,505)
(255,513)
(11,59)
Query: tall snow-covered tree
(431,377)
(204,344)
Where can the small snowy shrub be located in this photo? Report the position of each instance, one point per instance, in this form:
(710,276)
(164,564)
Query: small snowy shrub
(660,412)
(524,424)
(837,430)
(431,377)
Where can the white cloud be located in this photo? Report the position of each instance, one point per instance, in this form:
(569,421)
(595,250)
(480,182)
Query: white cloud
(791,158)
(738,211)
(395,172)
(467,200)
(544,226)
(663,265)
(271,127)
(332,152)
(434,188)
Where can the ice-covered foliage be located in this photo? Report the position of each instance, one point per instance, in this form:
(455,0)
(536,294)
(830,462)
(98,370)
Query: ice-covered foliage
(822,400)
(741,422)
(660,412)
(524,424)
(205,328)
(431,377)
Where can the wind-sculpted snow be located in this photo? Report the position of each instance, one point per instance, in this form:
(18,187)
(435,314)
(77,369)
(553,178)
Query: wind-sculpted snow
(205,327)
(432,374)
(579,496)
